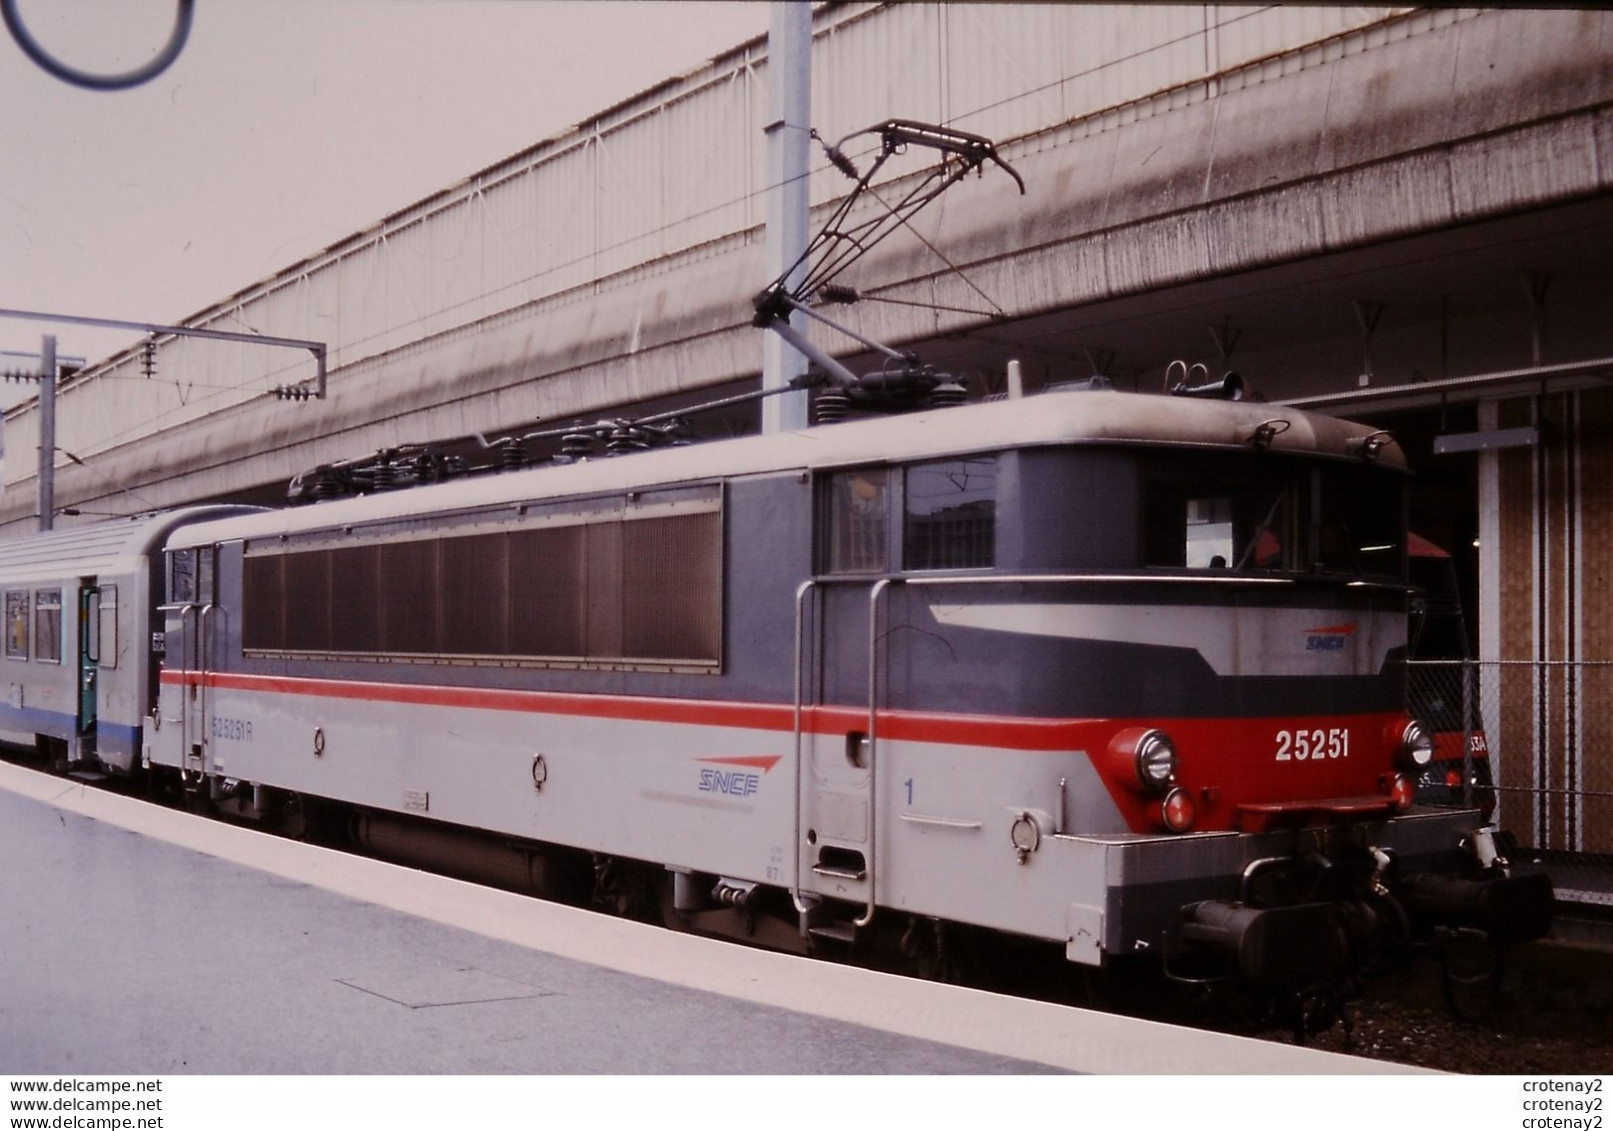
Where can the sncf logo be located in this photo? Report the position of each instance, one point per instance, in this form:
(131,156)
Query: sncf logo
(1329,638)
(741,780)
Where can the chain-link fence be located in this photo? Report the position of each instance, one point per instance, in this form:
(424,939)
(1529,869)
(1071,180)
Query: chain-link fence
(1532,742)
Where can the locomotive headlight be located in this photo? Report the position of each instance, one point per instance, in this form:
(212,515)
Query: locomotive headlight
(1143,758)
(1156,760)
(1416,746)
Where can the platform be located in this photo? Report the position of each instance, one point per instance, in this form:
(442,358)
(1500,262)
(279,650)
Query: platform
(136,939)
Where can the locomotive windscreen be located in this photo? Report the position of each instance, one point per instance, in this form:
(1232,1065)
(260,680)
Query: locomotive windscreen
(1259,512)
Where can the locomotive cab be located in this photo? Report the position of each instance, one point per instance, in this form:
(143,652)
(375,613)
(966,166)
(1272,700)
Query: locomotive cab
(1214,626)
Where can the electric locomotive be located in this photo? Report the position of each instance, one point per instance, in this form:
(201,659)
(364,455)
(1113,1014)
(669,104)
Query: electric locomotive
(1119,673)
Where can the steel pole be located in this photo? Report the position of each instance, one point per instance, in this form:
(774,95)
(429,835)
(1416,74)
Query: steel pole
(789,82)
(47,432)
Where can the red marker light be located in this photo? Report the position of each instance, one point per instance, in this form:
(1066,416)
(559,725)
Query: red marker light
(1177,810)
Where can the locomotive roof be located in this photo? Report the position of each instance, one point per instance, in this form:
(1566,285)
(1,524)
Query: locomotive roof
(96,549)
(1049,419)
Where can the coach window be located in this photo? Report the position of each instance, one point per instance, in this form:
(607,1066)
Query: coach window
(857,513)
(205,557)
(190,576)
(108,642)
(182,577)
(17,624)
(949,518)
(48,625)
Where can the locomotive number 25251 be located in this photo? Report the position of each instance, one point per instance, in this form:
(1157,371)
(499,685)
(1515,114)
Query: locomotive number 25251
(1313,745)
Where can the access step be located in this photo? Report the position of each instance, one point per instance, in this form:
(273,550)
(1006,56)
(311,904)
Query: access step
(839,931)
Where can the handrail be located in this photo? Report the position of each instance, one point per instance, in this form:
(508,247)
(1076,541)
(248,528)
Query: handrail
(1470,663)
(1102,578)
(1064,578)
(801,592)
(875,594)
(202,639)
(874,600)
(184,688)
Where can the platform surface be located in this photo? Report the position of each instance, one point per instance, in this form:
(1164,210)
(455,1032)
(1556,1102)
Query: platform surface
(139,940)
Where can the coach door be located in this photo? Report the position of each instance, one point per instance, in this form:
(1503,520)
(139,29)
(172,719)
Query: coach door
(89,659)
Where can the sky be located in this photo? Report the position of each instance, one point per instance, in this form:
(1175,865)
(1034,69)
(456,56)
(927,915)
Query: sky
(284,126)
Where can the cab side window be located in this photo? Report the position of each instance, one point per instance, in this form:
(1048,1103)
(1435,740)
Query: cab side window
(949,518)
(856,508)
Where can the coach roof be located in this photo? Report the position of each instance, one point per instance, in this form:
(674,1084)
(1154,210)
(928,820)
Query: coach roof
(98,549)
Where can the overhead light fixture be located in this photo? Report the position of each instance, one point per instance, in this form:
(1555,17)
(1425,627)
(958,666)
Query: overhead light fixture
(1495,439)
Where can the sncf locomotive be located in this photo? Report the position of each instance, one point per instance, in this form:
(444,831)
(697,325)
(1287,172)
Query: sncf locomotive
(1118,674)
(1115,672)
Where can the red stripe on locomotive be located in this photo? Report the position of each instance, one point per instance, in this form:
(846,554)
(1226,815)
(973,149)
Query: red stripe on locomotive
(1245,774)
